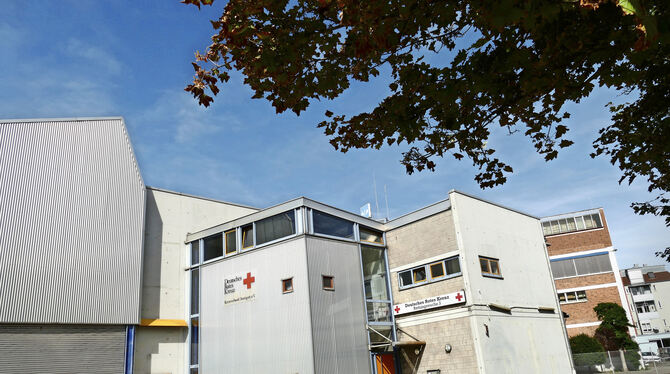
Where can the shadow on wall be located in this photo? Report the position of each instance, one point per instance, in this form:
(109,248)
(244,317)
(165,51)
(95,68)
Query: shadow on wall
(410,356)
(153,256)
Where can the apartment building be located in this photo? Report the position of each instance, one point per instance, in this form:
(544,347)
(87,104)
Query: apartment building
(584,267)
(648,297)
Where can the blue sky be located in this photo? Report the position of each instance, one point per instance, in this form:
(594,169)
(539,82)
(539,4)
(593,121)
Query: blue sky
(88,58)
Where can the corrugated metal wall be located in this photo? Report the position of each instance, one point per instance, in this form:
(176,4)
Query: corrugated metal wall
(338,317)
(71,222)
(45,349)
(272,333)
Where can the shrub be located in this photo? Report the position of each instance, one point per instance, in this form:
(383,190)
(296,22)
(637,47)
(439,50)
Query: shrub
(587,351)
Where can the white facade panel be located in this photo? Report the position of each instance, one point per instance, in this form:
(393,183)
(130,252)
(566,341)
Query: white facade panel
(269,333)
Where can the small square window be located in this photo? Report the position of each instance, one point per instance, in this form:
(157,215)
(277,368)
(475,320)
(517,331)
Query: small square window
(419,274)
(231,242)
(490,267)
(561,297)
(328,282)
(247,236)
(287,285)
(581,295)
(437,270)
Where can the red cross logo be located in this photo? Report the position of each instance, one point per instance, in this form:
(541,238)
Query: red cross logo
(249,280)
(459,297)
(397,309)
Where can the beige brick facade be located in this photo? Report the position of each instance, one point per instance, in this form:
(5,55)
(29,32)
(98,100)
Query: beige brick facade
(456,332)
(586,280)
(425,238)
(589,330)
(582,312)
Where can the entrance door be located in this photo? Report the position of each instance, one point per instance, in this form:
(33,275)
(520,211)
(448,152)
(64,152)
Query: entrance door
(384,363)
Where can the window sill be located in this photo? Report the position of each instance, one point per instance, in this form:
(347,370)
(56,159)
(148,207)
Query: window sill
(494,276)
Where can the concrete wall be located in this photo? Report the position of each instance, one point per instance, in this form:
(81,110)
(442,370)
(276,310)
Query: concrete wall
(525,336)
(169,217)
(338,316)
(271,333)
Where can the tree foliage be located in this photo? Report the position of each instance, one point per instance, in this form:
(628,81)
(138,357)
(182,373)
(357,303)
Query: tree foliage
(613,330)
(458,70)
(587,350)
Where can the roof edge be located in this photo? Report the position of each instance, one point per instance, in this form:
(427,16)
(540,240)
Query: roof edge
(63,119)
(200,197)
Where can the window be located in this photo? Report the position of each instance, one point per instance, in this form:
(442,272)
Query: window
(438,271)
(370,235)
(374,273)
(570,224)
(212,247)
(330,225)
(287,285)
(645,306)
(419,275)
(194,341)
(571,297)
(231,241)
(275,227)
(247,236)
(640,290)
(490,267)
(195,287)
(585,265)
(328,282)
(195,252)
(646,327)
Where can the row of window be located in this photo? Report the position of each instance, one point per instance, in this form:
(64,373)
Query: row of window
(640,290)
(646,327)
(563,225)
(592,264)
(571,297)
(432,272)
(276,227)
(327,281)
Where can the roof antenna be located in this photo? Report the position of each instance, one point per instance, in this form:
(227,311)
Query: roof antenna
(374,182)
(386,197)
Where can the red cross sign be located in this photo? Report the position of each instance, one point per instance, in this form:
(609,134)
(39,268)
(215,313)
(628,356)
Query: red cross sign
(459,297)
(249,280)
(397,309)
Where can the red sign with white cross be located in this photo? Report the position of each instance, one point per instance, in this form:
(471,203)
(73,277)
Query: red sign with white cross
(239,288)
(429,303)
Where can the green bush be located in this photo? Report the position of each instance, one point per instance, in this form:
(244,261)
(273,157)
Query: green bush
(587,351)
(632,360)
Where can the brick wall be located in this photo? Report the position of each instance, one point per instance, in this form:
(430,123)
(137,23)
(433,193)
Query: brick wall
(590,331)
(456,332)
(422,239)
(579,241)
(582,312)
(587,280)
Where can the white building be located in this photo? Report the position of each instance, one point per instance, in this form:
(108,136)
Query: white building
(170,283)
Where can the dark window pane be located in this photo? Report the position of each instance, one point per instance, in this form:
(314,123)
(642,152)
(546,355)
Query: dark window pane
(195,252)
(406,278)
(248,236)
(436,270)
(287,285)
(213,247)
(275,227)
(195,291)
(231,242)
(484,265)
(563,268)
(328,282)
(494,267)
(331,225)
(453,266)
(596,220)
(419,274)
(194,341)
(370,235)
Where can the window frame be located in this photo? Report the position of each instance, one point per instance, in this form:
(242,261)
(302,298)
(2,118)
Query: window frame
(253,236)
(332,282)
(225,242)
(442,266)
(284,289)
(429,278)
(490,273)
(576,294)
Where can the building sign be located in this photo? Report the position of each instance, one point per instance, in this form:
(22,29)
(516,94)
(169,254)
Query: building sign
(429,303)
(239,288)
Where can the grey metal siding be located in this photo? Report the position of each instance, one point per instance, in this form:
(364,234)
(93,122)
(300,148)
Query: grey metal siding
(62,349)
(269,334)
(338,317)
(72,208)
